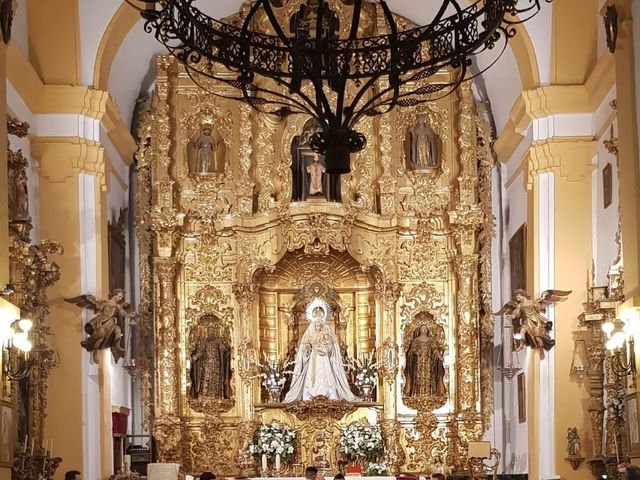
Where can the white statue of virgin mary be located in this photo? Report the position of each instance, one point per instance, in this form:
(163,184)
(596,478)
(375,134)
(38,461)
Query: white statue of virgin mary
(319,368)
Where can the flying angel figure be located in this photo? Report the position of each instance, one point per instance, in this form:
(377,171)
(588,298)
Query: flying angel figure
(531,327)
(104,329)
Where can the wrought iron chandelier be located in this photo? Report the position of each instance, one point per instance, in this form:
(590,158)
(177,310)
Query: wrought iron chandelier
(311,65)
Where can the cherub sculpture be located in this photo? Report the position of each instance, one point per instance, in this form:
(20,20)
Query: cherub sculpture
(105,329)
(530,326)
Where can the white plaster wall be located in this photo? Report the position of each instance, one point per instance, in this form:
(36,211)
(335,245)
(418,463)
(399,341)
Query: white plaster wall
(88,284)
(604,221)
(95,17)
(19,29)
(509,203)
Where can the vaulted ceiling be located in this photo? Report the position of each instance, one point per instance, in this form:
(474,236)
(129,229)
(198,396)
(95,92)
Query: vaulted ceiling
(105,46)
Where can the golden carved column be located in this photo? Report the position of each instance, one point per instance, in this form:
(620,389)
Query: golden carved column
(387,182)
(246,183)
(559,182)
(247,367)
(388,294)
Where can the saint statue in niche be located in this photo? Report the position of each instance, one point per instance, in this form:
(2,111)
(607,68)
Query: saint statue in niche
(424,370)
(319,370)
(207,153)
(210,372)
(316,170)
(308,169)
(424,146)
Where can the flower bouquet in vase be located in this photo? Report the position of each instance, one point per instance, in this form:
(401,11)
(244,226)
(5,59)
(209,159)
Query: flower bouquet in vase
(365,373)
(275,444)
(360,445)
(274,376)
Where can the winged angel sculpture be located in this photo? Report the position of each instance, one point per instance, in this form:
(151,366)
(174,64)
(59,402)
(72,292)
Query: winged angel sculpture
(105,329)
(531,327)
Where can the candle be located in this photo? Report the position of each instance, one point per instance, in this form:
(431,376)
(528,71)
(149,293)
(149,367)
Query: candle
(24,447)
(46,445)
(127,463)
(264,462)
(33,444)
(278,462)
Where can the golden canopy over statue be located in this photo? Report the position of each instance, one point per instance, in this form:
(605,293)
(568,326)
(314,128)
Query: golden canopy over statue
(530,326)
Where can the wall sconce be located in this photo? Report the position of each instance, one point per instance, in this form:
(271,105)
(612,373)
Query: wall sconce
(15,342)
(619,337)
(580,360)
(509,370)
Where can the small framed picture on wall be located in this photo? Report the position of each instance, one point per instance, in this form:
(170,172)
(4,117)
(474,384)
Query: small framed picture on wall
(7,433)
(522,399)
(607,186)
(633,425)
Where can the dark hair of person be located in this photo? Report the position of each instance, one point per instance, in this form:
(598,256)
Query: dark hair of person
(338,476)
(438,476)
(71,475)
(633,472)
(310,472)
(207,476)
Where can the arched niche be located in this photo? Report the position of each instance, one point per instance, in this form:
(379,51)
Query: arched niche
(299,278)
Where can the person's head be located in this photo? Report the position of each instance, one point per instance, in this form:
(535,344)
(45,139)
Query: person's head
(310,472)
(633,472)
(520,295)
(72,475)
(437,476)
(338,476)
(424,330)
(206,131)
(207,476)
(117,294)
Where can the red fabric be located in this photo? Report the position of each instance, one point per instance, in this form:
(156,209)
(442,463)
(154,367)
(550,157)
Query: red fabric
(119,424)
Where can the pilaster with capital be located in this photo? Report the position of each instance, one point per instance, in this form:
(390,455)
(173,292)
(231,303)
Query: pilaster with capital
(167,361)
(387,182)
(388,294)
(246,294)
(246,183)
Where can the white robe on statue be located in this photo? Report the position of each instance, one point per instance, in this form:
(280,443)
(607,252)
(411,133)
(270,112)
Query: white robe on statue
(318,369)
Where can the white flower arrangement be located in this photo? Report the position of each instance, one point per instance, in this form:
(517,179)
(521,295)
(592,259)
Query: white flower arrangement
(377,470)
(274,373)
(365,371)
(273,439)
(361,442)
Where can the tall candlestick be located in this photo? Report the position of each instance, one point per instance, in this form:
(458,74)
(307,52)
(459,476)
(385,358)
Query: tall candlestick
(264,462)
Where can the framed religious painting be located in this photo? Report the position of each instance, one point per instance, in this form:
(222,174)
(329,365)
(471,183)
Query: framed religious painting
(518,259)
(7,434)
(607,186)
(522,399)
(633,425)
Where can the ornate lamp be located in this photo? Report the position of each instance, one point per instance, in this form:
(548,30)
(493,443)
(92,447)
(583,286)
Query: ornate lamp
(621,347)
(15,342)
(307,62)
(509,369)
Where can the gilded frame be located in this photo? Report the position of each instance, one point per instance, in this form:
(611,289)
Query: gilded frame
(632,420)
(7,433)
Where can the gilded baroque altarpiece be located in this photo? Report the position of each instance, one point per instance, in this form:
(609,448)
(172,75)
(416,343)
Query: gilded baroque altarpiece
(225,249)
